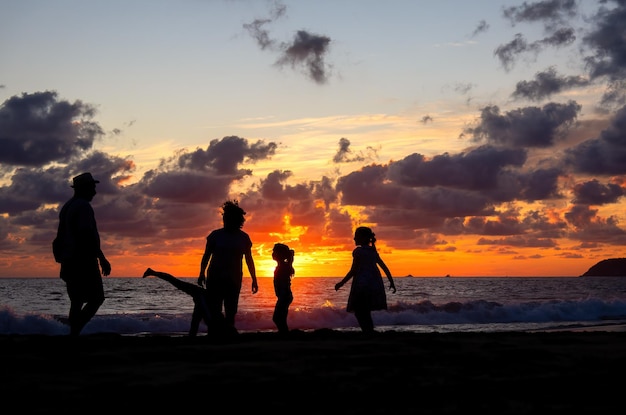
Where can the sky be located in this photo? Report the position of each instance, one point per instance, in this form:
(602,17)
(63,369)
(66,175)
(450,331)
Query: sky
(476,138)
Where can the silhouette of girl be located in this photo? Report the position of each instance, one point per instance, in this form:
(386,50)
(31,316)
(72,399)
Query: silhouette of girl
(368,290)
(282,285)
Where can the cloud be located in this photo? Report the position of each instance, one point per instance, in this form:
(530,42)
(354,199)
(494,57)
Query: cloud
(607,43)
(551,12)
(603,41)
(344,153)
(509,52)
(546,84)
(481,27)
(607,46)
(554,14)
(38,128)
(257,27)
(525,127)
(605,154)
(307,50)
(593,192)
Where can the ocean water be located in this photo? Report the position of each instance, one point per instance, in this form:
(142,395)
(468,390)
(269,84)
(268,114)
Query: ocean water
(140,306)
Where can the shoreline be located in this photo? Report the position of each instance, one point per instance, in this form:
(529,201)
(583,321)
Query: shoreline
(320,371)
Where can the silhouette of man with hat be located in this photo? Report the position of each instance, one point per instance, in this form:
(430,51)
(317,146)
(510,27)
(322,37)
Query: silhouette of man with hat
(81,258)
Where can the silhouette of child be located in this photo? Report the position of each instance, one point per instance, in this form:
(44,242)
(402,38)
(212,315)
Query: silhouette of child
(282,285)
(201,305)
(368,290)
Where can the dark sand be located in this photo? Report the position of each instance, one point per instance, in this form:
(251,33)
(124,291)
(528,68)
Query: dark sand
(321,372)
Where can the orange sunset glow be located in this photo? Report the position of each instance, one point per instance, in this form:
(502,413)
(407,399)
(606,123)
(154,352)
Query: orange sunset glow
(485,142)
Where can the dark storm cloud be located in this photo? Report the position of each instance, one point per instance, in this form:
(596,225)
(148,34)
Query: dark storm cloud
(307,51)
(605,155)
(546,84)
(525,127)
(38,128)
(592,192)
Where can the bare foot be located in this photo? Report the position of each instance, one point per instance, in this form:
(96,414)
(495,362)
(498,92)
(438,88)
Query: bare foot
(148,273)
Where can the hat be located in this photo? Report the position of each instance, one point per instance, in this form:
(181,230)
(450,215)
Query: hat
(83,180)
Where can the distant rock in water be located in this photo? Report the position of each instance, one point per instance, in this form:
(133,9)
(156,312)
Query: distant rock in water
(613,267)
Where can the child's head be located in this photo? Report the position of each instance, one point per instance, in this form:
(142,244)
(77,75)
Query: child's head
(282,253)
(364,236)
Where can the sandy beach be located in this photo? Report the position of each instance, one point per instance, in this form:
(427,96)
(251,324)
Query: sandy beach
(316,372)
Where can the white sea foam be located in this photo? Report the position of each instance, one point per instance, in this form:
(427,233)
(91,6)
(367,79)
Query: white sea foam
(151,306)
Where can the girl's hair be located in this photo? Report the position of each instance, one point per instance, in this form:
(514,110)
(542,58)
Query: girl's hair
(282,254)
(365,233)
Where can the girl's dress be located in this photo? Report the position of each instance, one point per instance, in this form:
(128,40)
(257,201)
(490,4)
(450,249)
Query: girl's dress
(368,289)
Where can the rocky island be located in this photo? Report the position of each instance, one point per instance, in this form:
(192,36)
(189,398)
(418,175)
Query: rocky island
(612,267)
